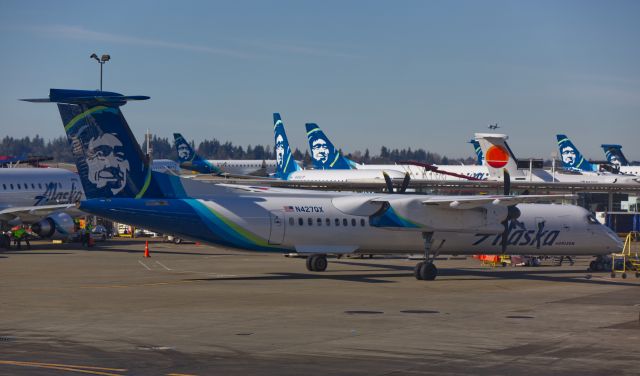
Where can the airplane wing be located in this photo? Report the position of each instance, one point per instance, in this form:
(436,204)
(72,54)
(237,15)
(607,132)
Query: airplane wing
(29,214)
(470,202)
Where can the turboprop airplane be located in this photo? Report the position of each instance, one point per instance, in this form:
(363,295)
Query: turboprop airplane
(499,157)
(190,160)
(616,157)
(311,223)
(44,198)
(326,156)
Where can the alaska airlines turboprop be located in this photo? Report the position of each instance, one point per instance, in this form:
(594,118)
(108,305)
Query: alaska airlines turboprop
(310,223)
(44,198)
(325,156)
(499,157)
(190,160)
(615,156)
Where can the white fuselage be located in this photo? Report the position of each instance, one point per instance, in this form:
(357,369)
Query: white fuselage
(245,166)
(344,176)
(38,186)
(421,173)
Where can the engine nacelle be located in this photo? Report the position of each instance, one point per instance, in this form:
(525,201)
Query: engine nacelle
(56,226)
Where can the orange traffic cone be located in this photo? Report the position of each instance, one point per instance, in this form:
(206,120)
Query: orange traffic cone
(146,249)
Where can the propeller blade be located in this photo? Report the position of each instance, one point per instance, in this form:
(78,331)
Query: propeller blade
(405,183)
(507,182)
(388,182)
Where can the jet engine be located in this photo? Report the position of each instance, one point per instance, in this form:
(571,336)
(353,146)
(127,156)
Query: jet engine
(56,226)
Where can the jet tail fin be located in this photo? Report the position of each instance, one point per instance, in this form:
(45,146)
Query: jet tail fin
(285,164)
(571,157)
(324,155)
(614,154)
(478,150)
(190,160)
(109,160)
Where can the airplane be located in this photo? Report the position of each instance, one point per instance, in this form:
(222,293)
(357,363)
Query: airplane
(499,157)
(311,223)
(324,155)
(13,161)
(571,157)
(44,198)
(493,126)
(190,160)
(615,156)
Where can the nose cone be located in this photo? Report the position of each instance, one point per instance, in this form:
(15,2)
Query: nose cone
(611,240)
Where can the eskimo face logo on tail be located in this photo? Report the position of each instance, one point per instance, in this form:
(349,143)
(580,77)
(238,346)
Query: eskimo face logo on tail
(184,153)
(280,149)
(320,150)
(568,155)
(107,166)
(497,156)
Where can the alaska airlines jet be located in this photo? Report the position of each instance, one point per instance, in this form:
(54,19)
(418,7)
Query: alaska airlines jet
(310,223)
(616,157)
(190,160)
(478,150)
(45,198)
(326,156)
(499,157)
(571,157)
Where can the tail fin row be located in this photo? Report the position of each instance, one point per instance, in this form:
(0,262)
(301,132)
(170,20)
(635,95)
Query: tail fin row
(614,154)
(571,157)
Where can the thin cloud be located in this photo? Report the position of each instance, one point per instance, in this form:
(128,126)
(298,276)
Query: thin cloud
(81,33)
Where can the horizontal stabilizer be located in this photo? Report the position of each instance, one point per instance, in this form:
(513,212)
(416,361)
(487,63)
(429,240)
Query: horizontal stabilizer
(87,97)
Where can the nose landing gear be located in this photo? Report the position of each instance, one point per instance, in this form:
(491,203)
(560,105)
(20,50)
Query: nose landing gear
(426,270)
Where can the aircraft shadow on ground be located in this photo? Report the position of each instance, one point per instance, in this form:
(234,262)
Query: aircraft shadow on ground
(462,274)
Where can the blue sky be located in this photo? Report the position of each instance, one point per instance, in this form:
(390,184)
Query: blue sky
(397,73)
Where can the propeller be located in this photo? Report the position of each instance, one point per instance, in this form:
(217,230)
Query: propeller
(512,212)
(405,183)
(389,183)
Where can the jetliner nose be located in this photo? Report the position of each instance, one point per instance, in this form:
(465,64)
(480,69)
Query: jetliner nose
(612,240)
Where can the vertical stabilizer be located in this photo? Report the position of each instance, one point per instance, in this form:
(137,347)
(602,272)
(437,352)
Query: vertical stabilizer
(614,154)
(478,150)
(324,155)
(190,160)
(498,156)
(285,164)
(571,157)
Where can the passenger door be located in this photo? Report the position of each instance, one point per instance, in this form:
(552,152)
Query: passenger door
(277,227)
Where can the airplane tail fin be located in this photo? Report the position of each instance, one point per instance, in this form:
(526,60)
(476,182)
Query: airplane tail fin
(285,164)
(323,154)
(614,154)
(478,150)
(570,155)
(497,155)
(190,160)
(109,160)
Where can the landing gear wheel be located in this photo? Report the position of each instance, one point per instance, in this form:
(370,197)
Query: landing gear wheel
(428,271)
(317,263)
(416,271)
(613,274)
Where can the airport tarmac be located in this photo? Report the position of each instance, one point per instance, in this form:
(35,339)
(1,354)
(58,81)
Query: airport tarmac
(200,310)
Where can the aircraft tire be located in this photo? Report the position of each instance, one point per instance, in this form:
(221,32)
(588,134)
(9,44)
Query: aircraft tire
(319,263)
(416,271)
(428,271)
(310,263)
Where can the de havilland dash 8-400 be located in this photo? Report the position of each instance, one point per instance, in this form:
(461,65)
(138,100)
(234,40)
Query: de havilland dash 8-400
(311,223)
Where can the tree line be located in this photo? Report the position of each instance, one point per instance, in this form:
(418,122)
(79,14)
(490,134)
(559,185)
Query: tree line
(163,148)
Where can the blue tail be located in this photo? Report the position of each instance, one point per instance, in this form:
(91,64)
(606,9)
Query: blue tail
(614,154)
(109,160)
(571,157)
(477,149)
(285,164)
(323,154)
(190,160)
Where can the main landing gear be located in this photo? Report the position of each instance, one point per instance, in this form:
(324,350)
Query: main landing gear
(317,263)
(426,270)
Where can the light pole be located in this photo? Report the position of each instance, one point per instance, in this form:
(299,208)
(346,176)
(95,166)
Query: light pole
(100,61)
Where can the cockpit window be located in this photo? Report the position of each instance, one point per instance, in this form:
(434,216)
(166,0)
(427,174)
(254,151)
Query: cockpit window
(592,220)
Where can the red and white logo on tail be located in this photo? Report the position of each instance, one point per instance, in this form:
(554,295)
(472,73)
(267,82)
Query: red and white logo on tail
(497,155)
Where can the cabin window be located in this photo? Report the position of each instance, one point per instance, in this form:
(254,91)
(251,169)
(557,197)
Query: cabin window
(33,186)
(328,222)
(300,221)
(11,186)
(337,221)
(353,222)
(310,221)
(26,186)
(345,222)
(4,186)
(362,222)
(319,221)
(19,187)
(39,185)
(291,221)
